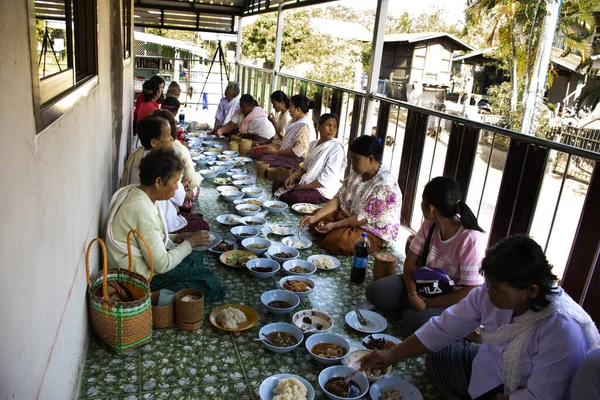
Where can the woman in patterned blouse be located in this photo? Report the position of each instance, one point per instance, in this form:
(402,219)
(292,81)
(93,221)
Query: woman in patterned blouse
(369,201)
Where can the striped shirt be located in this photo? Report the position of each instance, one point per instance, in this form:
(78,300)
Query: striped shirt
(460,256)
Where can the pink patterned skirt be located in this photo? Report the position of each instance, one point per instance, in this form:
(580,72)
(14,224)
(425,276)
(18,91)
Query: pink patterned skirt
(195,223)
(312,196)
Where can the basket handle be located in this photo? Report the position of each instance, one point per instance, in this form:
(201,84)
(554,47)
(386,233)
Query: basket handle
(129,256)
(104,266)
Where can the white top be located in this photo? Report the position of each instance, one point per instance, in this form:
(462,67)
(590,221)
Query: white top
(328,161)
(189,167)
(282,120)
(258,126)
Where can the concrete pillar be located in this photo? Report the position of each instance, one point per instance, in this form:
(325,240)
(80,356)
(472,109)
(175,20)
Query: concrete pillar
(369,119)
(238,49)
(278,41)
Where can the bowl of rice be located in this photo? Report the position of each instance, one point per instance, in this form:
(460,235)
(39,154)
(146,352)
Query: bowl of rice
(286,387)
(234,317)
(324,262)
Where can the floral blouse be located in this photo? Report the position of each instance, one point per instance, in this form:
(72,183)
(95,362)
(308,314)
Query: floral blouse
(377,200)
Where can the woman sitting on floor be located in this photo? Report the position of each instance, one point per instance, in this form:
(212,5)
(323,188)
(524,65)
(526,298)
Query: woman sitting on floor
(228,105)
(450,245)
(320,178)
(151,92)
(155,133)
(298,135)
(534,335)
(134,207)
(369,202)
(282,118)
(251,121)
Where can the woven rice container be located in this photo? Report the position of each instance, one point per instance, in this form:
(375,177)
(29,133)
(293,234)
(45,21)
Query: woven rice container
(245,144)
(162,316)
(189,315)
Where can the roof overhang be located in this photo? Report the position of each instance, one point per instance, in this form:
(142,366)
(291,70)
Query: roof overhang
(420,37)
(217,16)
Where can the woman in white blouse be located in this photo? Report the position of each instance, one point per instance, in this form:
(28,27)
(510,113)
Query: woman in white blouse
(282,118)
(320,177)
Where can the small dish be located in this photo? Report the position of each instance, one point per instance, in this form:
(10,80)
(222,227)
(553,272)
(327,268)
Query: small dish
(229,219)
(231,245)
(281,327)
(281,229)
(236,258)
(252,192)
(305,208)
(222,181)
(216,239)
(313,320)
(340,371)
(262,262)
(353,360)
(377,323)
(292,241)
(242,183)
(267,387)
(250,313)
(279,295)
(247,210)
(226,188)
(332,338)
(407,390)
(244,232)
(289,265)
(324,262)
(255,222)
(275,207)
(274,250)
(232,195)
(256,245)
(310,285)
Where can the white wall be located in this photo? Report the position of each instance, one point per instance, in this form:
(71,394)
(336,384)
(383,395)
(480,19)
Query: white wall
(54,188)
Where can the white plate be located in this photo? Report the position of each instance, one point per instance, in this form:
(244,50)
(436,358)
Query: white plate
(222,219)
(409,392)
(243,159)
(268,385)
(216,241)
(376,322)
(297,207)
(336,262)
(288,240)
(389,338)
(289,231)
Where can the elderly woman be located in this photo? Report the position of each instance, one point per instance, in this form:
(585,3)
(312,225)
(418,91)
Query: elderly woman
(321,175)
(448,248)
(228,105)
(135,207)
(298,135)
(174,90)
(369,202)
(534,335)
(281,118)
(250,120)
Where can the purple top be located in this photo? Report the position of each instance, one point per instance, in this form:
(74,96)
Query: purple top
(552,353)
(221,113)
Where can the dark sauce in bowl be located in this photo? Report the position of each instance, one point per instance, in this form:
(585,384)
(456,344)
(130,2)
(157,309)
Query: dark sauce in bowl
(337,387)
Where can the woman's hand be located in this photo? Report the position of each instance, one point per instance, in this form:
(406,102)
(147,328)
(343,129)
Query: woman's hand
(308,220)
(417,302)
(181,237)
(272,118)
(198,239)
(219,132)
(324,228)
(474,337)
(288,182)
(380,359)
(189,194)
(185,182)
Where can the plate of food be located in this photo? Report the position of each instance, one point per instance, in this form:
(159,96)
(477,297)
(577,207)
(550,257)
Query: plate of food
(222,181)
(390,388)
(224,246)
(281,229)
(324,262)
(214,240)
(234,317)
(354,360)
(313,320)
(376,323)
(237,258)
(286,386)
(293,241)
(305,208)
(380,341)
(229,219)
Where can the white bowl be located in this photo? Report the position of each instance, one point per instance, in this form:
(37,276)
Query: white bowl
(211,154)
(253,192)
(288,265)
(247,210)
(232,195)
(255,240)
(242,177)
(352,360)
(268,386)
(281,327)
(243,183)
(226,188)
(200,160)
(336,262)
(316,317)
(261,221)
(262,262)
(240,201)
(231,153)
(342,371)
(327,338)
(229,242)
(238,230)
(221,170)
(279,295)
(274,250)
(308,281)
(269,206)
(208,173)
(292,241)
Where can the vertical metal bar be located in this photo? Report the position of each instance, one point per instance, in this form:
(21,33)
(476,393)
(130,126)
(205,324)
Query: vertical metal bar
(437,134)
(562,185)
(487,170)
(375,64)
(278,41)
(238,46)
(356,113)
(318,104)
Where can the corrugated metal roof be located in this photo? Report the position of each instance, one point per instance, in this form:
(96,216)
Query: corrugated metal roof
(419,37)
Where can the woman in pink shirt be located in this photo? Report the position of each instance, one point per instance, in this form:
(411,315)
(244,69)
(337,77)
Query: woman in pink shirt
(151,92)
(442,264)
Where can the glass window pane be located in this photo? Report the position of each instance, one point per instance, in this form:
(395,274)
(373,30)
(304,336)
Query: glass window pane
(52,47)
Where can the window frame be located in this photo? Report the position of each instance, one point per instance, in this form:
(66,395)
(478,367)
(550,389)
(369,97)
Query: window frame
(126,27)
(54,95)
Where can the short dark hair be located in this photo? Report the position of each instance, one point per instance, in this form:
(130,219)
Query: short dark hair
(520,262)
(149,89)
(248,99)
(366,146)
(158,79)
(150,128)
(302,102)
(280,97)
(444,194)
(325,117)
(166,114)
(159,163)
(171,104)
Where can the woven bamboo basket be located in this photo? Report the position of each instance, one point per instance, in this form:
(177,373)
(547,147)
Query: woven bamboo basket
(123,325)
(189,315)
(162,316)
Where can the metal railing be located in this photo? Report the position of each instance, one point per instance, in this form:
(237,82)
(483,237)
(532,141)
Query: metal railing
(506,177)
